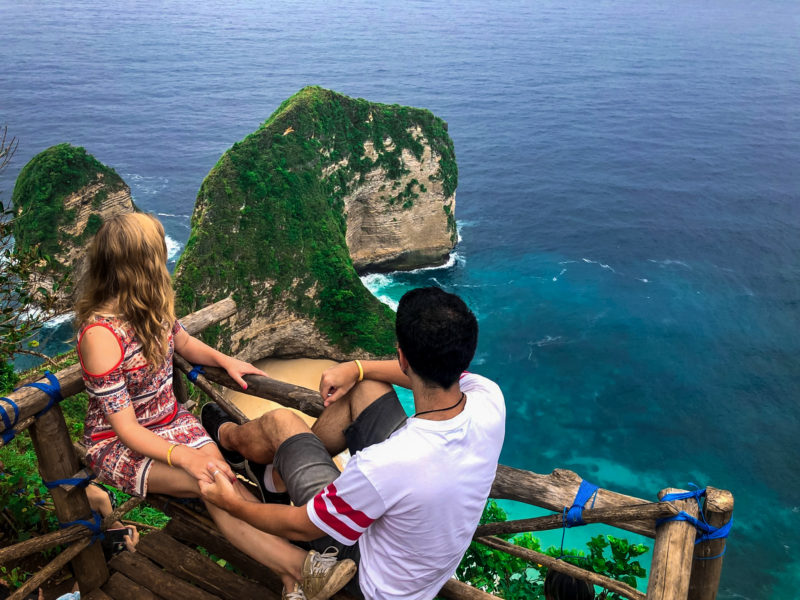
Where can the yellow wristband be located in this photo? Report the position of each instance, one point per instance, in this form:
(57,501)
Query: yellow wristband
(169,454)
(360,370)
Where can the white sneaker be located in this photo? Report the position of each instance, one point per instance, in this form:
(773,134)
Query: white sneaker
(323,575)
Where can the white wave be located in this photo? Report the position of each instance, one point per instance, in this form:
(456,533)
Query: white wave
(559,275)
(148,186)
(163,214)
(597,262)
(59,320)
(173,248)
(376,283)
(566,262)
(643,279)
(667,262)
(547,341)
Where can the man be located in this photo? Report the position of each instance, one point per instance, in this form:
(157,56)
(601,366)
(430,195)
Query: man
(407,503)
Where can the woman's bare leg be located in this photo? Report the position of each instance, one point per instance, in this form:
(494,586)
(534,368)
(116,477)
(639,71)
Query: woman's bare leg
(276,553)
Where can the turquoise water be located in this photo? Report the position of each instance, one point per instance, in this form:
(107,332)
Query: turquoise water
(628,202)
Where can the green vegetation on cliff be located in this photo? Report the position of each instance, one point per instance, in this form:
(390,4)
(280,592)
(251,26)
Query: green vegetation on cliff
(269,220)
(39,195)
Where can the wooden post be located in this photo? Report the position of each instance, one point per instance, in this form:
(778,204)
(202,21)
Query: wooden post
(57,460)
(179,384)
(672,554)
(704,582)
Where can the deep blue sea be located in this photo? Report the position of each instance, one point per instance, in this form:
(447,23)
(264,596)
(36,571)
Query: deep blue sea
(628,203)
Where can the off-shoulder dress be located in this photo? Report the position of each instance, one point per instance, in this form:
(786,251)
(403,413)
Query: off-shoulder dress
(131,382)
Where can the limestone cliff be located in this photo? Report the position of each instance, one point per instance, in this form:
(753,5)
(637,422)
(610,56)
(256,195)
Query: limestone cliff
(327,185)
(61,198)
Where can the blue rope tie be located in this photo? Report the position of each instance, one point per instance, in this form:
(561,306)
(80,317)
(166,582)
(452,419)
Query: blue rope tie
(709,532)
(78,482)
(95,525)
(574,515)
(53,390)
(9,433)
(197,370)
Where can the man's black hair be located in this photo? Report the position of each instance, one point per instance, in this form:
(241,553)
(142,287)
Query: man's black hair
(560,586)
(438,334)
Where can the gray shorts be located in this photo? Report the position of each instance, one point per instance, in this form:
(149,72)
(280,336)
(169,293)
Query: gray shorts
(306,467)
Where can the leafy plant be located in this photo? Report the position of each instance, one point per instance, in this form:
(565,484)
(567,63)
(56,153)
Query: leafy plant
(514,579)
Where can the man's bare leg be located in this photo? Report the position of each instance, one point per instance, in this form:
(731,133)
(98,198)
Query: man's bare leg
(259,440)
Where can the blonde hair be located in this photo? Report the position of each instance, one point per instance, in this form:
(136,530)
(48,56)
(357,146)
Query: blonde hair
(127,276)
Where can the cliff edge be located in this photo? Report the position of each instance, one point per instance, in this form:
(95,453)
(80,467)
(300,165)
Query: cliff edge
(61,198)
(327,186)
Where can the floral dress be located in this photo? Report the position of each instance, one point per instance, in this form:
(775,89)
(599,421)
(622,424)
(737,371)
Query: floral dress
(132,383)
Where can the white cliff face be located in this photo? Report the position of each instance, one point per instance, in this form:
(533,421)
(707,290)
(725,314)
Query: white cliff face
(401,224)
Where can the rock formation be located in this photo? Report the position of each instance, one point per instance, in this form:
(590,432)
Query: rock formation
(326,186)
(61,198)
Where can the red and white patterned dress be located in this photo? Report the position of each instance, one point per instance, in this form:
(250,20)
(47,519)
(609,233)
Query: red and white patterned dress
(132,383)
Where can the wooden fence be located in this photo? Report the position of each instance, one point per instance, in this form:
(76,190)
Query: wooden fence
(679,570)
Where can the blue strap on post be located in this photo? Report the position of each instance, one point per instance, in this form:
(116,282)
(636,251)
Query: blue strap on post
(53,389)
(574,515)
(78,482)
(196,370)
(8,434)
(709,532)
(95,525)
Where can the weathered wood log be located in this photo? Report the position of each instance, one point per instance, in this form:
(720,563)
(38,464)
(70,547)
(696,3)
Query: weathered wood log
(457,590)
(179,385)
(198,533)
(57,460)
(706,571)
(672,554)
(612,516)
(291,396)
(32,584)
(147,574)
(120,587)
(32,400)
(203,383)
(203,572)
(534,557)
(99,595)
(557,490)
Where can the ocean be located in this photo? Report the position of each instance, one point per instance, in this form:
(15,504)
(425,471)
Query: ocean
(628,204)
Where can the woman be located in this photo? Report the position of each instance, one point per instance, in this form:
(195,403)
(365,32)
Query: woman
(139,438)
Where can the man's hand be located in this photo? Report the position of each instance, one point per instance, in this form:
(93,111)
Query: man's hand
(132,540)
(220,491)
(237,368)
(337,380)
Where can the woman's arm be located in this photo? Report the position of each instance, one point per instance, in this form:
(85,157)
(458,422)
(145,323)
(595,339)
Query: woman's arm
(197,352)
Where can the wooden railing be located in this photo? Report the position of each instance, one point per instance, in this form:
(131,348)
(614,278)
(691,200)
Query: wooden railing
(675,572)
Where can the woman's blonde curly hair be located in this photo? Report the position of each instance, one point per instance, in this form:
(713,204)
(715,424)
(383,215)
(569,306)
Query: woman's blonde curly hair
(127,277)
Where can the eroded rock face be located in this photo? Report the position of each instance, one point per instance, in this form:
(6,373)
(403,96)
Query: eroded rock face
(61,198)
(406,234)
(327,186)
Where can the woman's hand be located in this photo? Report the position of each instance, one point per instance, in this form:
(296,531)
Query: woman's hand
(219,490)
(238,368)
(337,380)
(133,539)
(196,464)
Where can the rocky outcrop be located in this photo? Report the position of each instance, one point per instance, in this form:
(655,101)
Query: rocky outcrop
(326,186)
(61,198)
(402,223)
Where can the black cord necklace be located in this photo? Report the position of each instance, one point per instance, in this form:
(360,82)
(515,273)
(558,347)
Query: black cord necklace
(425,412)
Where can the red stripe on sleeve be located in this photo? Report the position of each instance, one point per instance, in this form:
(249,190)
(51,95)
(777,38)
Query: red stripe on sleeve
(343,508)
(331,521)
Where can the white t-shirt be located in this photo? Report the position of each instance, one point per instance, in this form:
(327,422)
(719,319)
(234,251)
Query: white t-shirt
(413,501)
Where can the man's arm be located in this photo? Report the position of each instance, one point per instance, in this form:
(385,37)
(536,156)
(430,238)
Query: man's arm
(340,379)
(288,522)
